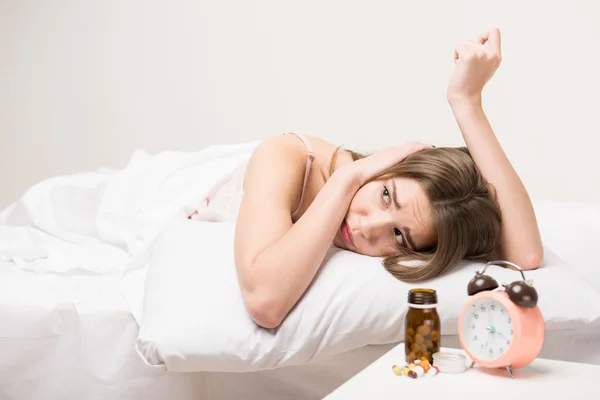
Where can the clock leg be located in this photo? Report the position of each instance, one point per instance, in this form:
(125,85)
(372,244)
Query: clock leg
(510,371)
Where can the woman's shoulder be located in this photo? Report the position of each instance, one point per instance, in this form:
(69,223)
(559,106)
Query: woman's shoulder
(298,146)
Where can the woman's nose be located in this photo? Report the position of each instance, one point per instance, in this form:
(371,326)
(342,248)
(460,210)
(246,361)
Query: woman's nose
(373,226)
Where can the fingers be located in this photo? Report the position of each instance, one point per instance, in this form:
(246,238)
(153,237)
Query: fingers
(415,147)
(492,38)
(466,51)
(475,50)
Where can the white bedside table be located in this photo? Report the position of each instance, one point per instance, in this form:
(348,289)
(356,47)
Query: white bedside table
(540,380)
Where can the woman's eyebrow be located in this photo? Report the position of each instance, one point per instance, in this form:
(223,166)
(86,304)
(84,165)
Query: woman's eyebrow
(406,230)
(409,239)
(394,197)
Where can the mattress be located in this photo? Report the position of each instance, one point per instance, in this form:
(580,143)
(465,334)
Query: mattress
(72,337)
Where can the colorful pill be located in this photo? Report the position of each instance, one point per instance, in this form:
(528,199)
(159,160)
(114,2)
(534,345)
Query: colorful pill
(412,374)
(405,371)
(432,371)
(417,362)
(419,370)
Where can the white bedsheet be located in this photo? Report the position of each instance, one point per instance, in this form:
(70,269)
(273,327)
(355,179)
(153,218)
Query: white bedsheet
(96,221)
(71,337)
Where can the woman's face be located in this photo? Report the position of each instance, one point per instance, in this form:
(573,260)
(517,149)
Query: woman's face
(385,215)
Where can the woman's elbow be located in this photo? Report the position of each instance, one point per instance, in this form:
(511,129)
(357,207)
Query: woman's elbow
(533,260)
(265,312)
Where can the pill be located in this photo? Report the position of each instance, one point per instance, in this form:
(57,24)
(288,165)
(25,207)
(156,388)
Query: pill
(396,370)
(417,362)
(419,370)
(426,367)
(432,371)
(405,371)
(429,344)
(412,374)
(412,365)
(435,335)
(423,348)
(411,357)
(410,331)
(424,330)
(419,339)
(415,347)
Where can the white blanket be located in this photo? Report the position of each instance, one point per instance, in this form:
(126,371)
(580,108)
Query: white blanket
(96,222)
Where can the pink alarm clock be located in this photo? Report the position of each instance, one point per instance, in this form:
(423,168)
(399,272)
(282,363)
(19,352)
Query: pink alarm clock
(501,327)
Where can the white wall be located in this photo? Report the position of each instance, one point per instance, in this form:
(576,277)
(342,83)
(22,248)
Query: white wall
(84,83)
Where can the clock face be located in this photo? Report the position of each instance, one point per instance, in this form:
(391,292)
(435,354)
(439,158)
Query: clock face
(487,329)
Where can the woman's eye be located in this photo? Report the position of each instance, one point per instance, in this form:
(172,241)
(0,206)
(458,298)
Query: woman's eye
(399,237)
(386,195)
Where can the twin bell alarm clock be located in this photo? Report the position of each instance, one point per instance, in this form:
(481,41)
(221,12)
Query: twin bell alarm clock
(501,326)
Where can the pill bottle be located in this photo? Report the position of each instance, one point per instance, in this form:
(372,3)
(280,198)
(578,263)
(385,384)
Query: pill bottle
(422,327)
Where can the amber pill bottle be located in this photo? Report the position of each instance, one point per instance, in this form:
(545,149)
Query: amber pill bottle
(422,335)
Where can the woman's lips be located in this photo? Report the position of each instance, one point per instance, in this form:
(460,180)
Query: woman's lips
(347,234)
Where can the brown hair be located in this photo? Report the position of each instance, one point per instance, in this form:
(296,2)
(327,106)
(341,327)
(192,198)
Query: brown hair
(466,215)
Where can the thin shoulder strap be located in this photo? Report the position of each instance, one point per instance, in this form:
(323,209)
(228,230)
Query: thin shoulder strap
(309,160)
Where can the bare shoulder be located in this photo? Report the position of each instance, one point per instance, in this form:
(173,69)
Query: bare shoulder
(293,151)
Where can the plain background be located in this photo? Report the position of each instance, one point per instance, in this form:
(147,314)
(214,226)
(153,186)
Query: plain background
(85,83)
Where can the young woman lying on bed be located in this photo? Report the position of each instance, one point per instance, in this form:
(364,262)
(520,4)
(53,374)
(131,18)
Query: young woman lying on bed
(410,202)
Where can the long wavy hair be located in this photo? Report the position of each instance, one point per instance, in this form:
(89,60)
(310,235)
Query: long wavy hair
(466,215)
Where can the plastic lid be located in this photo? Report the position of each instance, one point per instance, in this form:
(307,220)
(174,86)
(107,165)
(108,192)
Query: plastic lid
(422,296)
(450,362)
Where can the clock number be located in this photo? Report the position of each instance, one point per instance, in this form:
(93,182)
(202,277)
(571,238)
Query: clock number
(509,320)
(481,348)
(472,326)
(491,352)
(501,350)
(493,307)
(475,338)
(483,309)
(502,311)
(511,331)
(508,342)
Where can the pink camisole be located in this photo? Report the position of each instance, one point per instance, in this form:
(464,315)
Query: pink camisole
(223,200)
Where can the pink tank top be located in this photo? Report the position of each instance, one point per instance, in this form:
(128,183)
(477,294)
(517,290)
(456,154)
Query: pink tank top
(222,202)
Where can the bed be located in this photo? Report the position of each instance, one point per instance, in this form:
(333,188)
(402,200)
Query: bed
(67,331)
(71,337)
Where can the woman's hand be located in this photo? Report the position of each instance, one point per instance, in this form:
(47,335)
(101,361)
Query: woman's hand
(369,167)
(475,63)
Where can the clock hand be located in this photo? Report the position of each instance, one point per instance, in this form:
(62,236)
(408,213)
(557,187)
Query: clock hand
(487,341)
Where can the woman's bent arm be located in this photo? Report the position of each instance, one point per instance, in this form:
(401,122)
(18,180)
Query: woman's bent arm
(276,260)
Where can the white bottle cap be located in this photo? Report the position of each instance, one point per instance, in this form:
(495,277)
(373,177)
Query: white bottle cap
(450,363)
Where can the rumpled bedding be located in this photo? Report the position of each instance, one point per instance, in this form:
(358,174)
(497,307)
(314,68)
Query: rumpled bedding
(96,222)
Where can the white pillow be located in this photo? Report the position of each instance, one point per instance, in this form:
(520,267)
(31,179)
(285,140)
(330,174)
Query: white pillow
(194,317)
